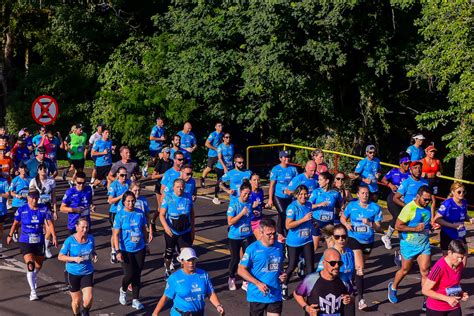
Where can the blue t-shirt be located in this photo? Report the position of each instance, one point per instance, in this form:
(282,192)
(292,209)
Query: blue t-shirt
(157,132)
(173,151)
(361,232)
(32,223)
(409,188)
(22,154)
(266,265)
(188,291)
(75,198)
(242,229)
(189,187)
(99,146)
(215,139)
(36,140)
(131,225)
(116,189)
(282,177)
(367,169)
(346,271)
(236,177)
(302,234)
(453,213)
(73,248)
(142,205)
(187,140)
(416,153)
(176,208)
(396,176)
(4,188)
(227,152)
(301,179)
(169,176)
(257,197)
(33,164)
(21,187)
(325,213)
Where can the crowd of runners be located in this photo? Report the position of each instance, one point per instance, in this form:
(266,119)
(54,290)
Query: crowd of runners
(315,209)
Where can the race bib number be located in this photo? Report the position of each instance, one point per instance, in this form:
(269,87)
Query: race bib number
(361,229)
(326,216)
(273,266)
(244,229)
(86,256)
(462,232)
(135,237)
(454,291)
(33,238)
(304,232)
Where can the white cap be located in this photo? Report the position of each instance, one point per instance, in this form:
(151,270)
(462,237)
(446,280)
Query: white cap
(186,254)
(419,136)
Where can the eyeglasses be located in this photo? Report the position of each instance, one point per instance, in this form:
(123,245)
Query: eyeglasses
(333,263)
(337,237)
(122,174)
(179,159)
(371,152)
(226,137)
(339,179)
(460,192)
(270,234)
(80,183)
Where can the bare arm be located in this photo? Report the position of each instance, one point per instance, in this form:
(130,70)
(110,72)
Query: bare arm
(160,305)
(397,199)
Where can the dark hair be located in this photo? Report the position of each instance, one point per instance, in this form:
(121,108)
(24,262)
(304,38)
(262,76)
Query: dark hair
(300,188)
(178,180)
(121,168)
(403,154)
(82,219)
(362,187)
(245,185)
(127,194)
(81,174)
(328,176)
(339,226)
(267,222)
(424,189)
(186,166)
(178,152)
(236,156)
(122,148)
(39,185)
(457,246)
(176,135)
(218,122)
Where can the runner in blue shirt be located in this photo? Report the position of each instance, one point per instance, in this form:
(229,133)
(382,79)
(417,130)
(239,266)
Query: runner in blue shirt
(415,151)
(32,217)
(157,137)
(188,141)
(78,252)
(176,146)
(20,153)
(212,142)
(368,170)
(186,173)
(177,218)
(326,204)
(393,179)
(257,196)
(239,216)
(225,162)
(365,217)
(36,140)
(102,152)
(235,177)
(4,195)
(187,288)
(115,195)
(262,267)
(141,204)
(280,177)
(130,237)
(299,216)
(451,215)
(308,178)
(173,173)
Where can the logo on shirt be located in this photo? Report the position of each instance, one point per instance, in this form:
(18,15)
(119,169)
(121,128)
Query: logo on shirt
(330,304)
(195,288)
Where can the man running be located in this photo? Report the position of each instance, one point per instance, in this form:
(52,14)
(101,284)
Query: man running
(157,138)
(213,140)
(235,177)
(188,141)
(133,171)
(307,178)
(95,137)
(102,155)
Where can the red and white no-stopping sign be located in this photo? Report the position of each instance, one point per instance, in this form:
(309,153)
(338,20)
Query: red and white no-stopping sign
(45,110)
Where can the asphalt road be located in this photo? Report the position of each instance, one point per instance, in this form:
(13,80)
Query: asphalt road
(211,245)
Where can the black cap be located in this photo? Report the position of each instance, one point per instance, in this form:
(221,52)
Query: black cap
(79,125)
(41,150)
(33,193)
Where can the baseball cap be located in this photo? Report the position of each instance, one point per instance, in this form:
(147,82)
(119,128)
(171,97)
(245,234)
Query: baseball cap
(41,150)
(166,149)
(79,126)
(404,160)
(283,153)
(186,254)
(33,193)
(414,163)
(430,148)
(22,132)
(419,136)
(370,148)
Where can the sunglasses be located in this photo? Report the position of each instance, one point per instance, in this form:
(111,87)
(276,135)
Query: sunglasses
(226,137)
(334,263)
(179,159)
(460,192)
(189,173)
(80,183)
(122,174)
(339,179)
(371,152)
(427,200)
(337,237)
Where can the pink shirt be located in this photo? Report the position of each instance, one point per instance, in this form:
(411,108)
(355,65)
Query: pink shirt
(444,277)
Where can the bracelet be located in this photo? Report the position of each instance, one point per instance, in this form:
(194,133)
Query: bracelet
(11,236)
(220,305)
(304,307)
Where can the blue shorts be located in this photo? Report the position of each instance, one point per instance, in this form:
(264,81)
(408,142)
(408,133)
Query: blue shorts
(318,225)
(410,251)
(154,153)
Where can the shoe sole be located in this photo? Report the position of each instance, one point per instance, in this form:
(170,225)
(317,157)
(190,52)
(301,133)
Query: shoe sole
(388,293)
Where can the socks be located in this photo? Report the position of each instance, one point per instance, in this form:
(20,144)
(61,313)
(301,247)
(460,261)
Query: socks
(390,231)
(31,277)
(46,243)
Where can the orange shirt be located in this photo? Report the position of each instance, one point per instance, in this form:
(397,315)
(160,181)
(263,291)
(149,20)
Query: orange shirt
(430,168)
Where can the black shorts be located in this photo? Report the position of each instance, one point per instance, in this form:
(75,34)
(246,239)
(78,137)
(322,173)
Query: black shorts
(355,245)
(112,218)
(445,240)
(102,172)
(78,163)
(35,249)
(260,309)
(158,188)
(211,162)
(2,218)
(79,282)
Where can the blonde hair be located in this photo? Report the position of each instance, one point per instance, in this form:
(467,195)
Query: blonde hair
(456,185)
(134,185)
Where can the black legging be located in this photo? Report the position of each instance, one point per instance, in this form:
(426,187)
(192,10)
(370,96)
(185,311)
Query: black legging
(235,245)
(181,241)
(293,258)
(132,270)
(281,205)
(393,208)
(220,173)
(456,312)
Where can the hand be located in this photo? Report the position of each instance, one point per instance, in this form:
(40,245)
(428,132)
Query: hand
(308,216)
(459,226)
(225,169)
(92,208)
(452,301)
(55,215)
(420,227)
(245,211)
(349,226)
(150,236)
(262,287)
(346,299)
(283,277)
(323,204)
(119,257)
(256,204)
(366,221)
(168,231)
(55,241)
(95,258)
(220,310)
(269,204)
(78,259)
(9,240)
(392,187)
(312,309)
(230,192)
(367,180)
(465,296)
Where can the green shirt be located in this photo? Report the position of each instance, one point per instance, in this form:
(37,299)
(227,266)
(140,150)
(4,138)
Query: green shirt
(78,145)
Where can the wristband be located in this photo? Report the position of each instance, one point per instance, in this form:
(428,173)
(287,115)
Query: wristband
(304,307)
(11,236)
(219,306)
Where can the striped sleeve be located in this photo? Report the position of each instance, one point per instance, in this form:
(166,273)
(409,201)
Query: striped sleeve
(436,273)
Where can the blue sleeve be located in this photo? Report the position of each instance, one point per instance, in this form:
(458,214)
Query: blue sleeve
(226,177)
(65,248)
(402,189)
(210,138)
(117,222)
(170,289)
(379,215)
(111,192)
(293,183)
(209,287)
(246,260)
(444,208)
(66,200)
(193,140)
(389,175)
(320,264)
(290,212)
(146,206)
(347,213)
(231,211)
(165,203)
(273,174)
(360,166)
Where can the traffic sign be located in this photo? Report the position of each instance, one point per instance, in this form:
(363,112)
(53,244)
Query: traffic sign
(45,110)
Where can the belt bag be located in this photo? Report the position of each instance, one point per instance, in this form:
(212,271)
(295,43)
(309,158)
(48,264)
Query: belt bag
(181,223)
(197,313)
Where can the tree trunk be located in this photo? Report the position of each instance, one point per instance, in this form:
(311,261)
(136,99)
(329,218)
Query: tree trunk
(459,166)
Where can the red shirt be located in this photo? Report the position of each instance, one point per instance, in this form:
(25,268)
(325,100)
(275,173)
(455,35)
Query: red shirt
(444,277)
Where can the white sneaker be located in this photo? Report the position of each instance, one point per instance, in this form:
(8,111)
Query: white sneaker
(47,253)
(244,286)
(362,304)
(137,305)
(216,201)
(92,181)
(33,296)
(123,297)
(387,242)
(231,283)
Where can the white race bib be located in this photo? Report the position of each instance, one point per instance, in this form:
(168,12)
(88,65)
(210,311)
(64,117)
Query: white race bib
(34,238)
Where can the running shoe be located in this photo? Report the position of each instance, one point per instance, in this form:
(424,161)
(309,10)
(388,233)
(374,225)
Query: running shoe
(397,259)
(387,242)
(47,253)
(64,175)
(231,284)
(84,312)
(123,297)
(244,286)
(423,307)
(92,181)
(113,257)
(33,296)
(71,184)
(301,268)
(362,304)
(284,292)
(392,294)
(216,201)
(137,305)
(203,183)
(145,175)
